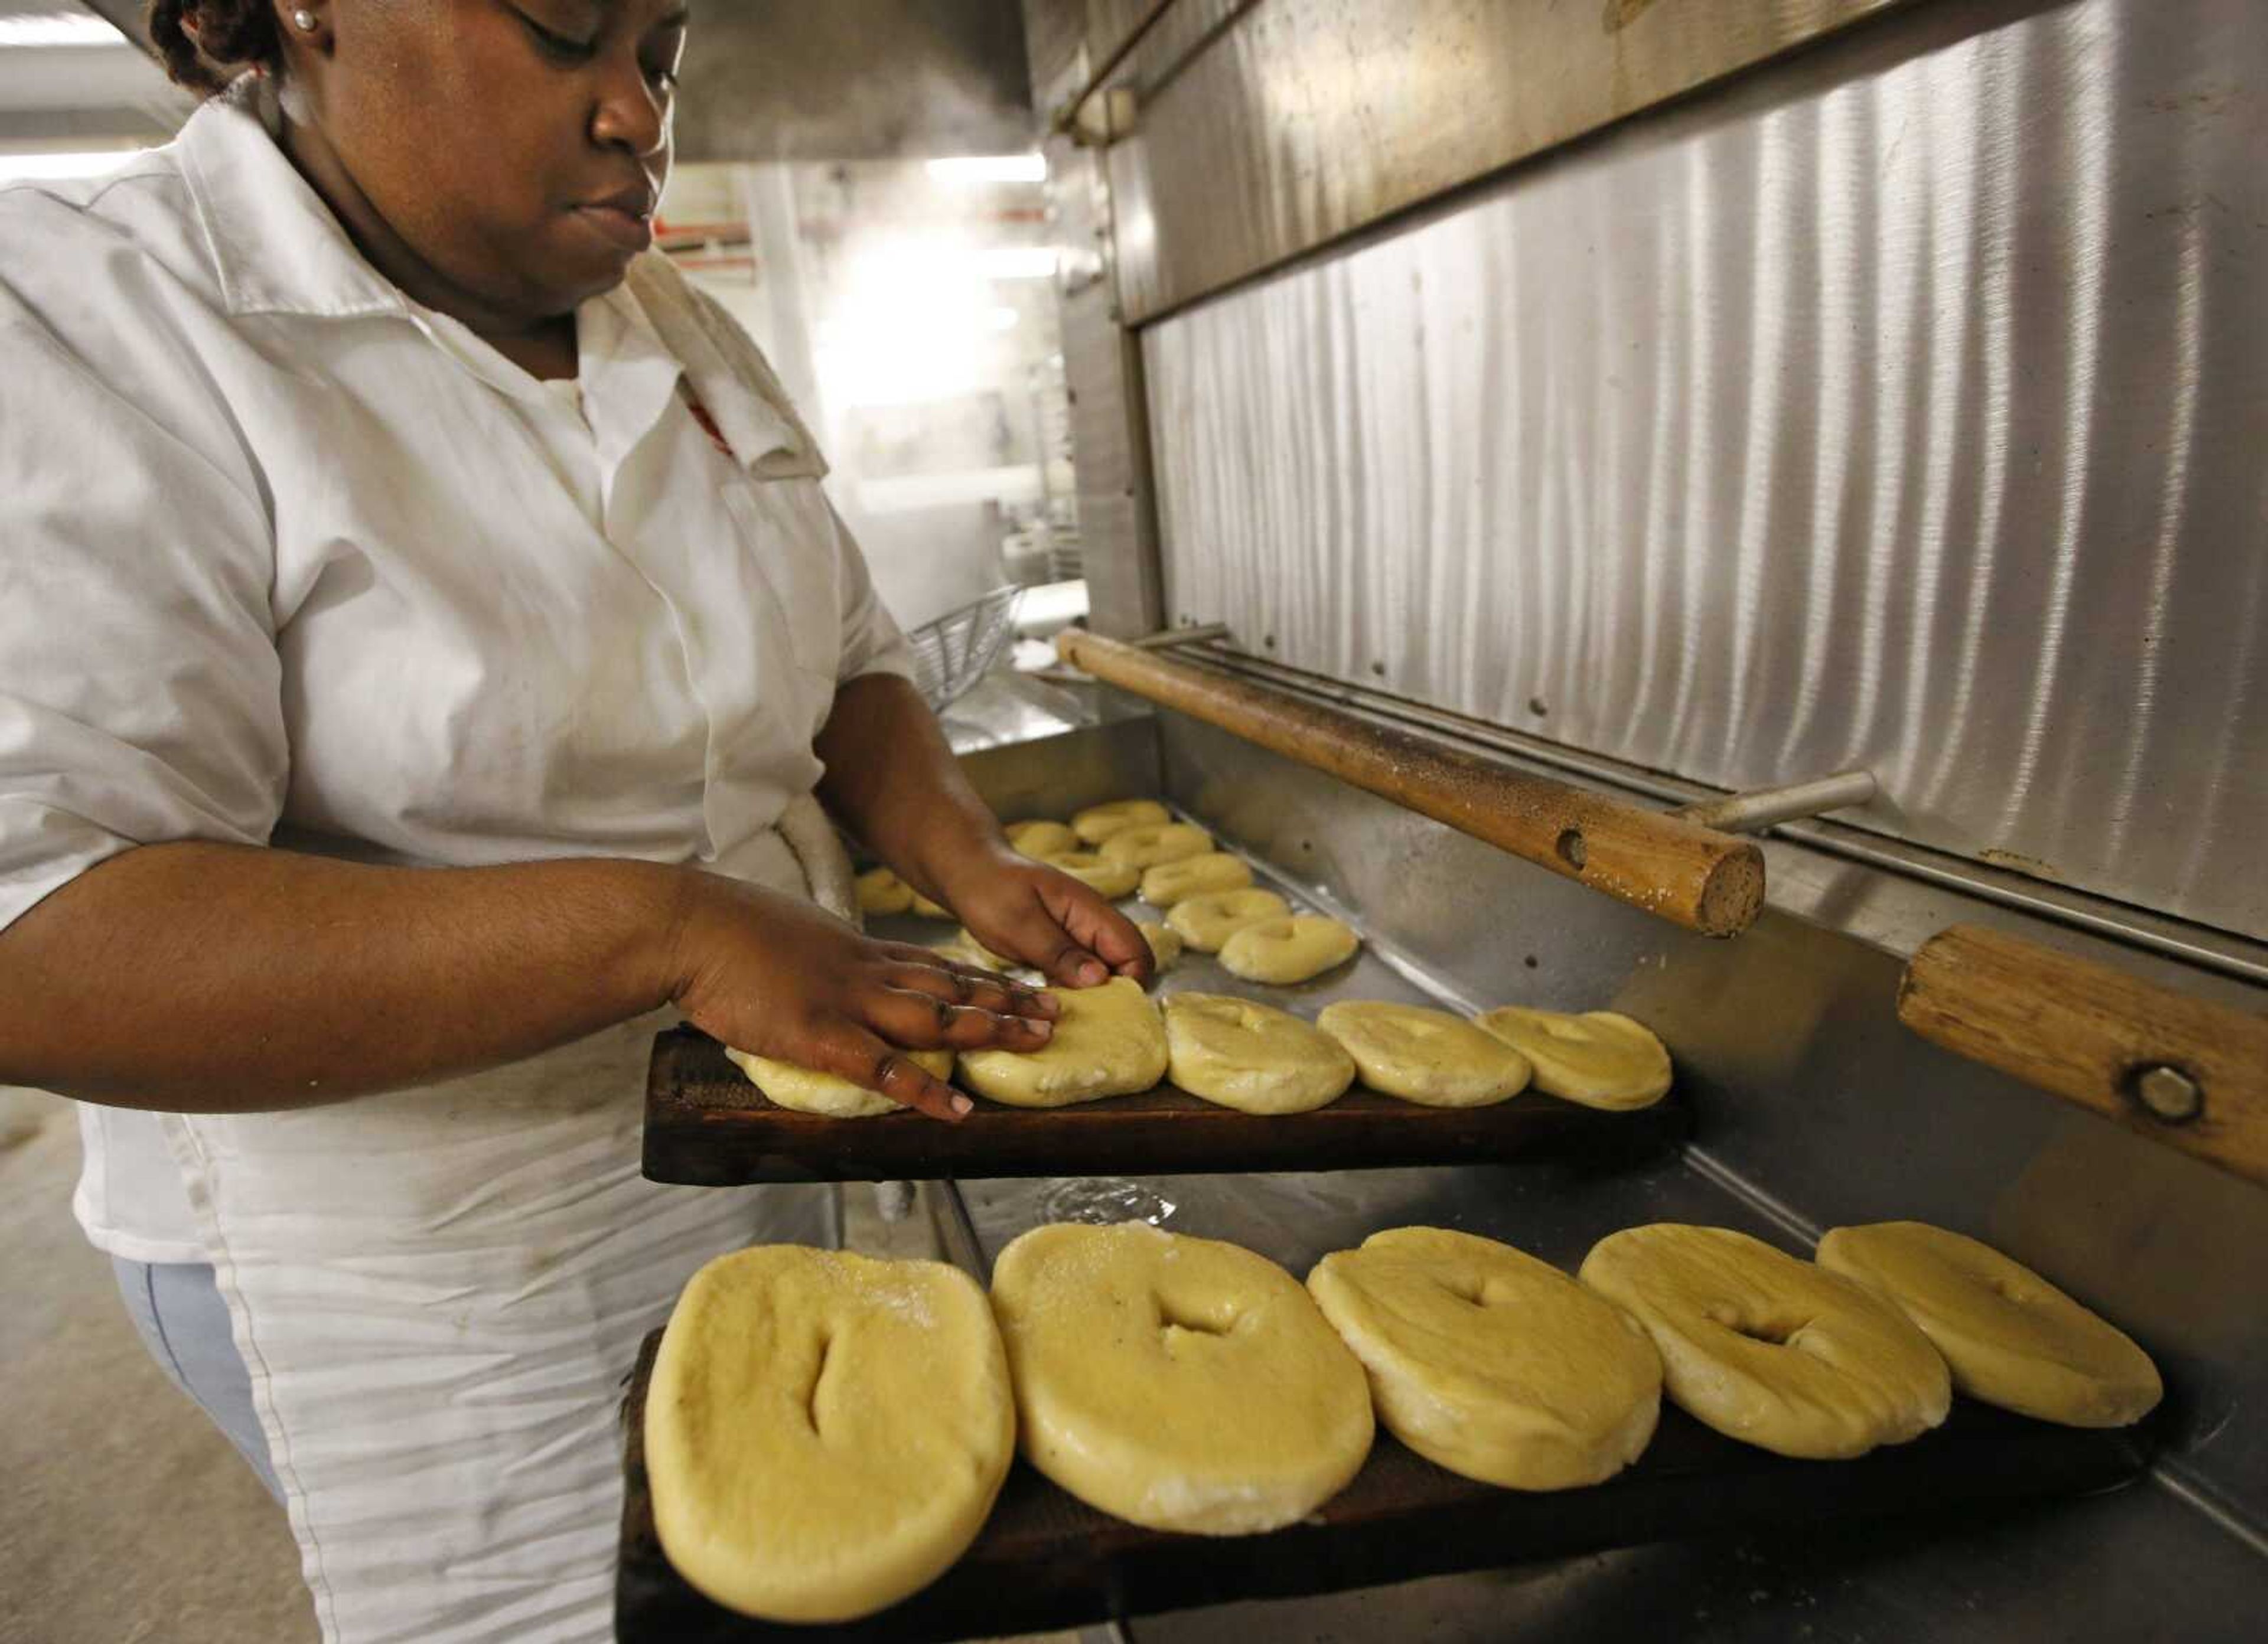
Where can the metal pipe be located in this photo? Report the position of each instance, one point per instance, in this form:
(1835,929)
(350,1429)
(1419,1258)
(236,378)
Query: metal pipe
(1761,807)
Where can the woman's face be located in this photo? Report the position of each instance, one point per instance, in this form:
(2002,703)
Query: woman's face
(516,147)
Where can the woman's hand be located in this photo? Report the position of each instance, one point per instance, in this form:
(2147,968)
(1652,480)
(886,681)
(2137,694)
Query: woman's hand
(1037,915)
(775,976)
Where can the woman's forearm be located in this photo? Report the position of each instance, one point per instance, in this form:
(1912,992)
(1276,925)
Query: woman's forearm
(893,778)
(202,977)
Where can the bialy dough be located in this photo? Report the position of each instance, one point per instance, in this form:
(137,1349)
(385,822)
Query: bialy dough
(804,1090)
(1171,882)
(2010,1338)
(825,1433)
(1042,838)
(1109,1041)
(1252,1057)
(1600,1059)
(882,892)
(1177,1382)
(1098,822)
(1165,944)
(1113,879)
(1490,1363)
(1772,1351)
(1284,952)
(1144,847)
(1426,1055)
(1207,920)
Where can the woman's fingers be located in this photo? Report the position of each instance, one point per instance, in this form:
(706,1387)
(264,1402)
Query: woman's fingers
(927,1022)
(850,1053)
(980,988)
(1094,927)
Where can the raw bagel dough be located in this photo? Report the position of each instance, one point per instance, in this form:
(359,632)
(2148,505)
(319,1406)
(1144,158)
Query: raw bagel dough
(2010,1338)
(882,892)
(1098,822)
(1109,1041)
(1042,838)
(1600,1059)
(1284,952)
(804,1090)
(1164,943)
(1769,1350)
(1493,1364)
(923,908)
(1173,882)
(1177,1382)
(825,1433)
(1151,846)
(977,953)
(1207,920)
(1426,1055)
(1113,879)
(1252,1057)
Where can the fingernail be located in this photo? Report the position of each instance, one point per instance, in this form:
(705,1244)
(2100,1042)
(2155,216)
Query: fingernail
(1043,1030)
(1091,974)
(963,1104)
(1048,1005)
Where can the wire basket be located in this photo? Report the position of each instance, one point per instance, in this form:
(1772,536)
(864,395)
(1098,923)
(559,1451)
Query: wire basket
(952,653)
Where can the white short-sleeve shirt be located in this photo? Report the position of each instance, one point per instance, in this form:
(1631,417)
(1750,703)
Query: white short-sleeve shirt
(287,559)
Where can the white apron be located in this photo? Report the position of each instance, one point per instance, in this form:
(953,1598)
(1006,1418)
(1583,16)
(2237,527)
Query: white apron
(439,1293)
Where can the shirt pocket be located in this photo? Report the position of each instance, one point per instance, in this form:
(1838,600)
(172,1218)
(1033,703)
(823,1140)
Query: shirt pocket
(787,537)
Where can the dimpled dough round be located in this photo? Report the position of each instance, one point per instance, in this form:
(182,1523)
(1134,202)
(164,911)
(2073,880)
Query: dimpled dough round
(1098,822)
(1113,879)
(1171,882)
(1600,1059)
(1165,944)
(805,1091)
(1493,1364)
(1770,1350)
(1207,920)
(1177,1382)
(1252,1057)
(1425,1056)
(2010,1337)
(1150,847)
(882,892)
(1042,838)
(1109,1041)
(1284,952)
(825,1433)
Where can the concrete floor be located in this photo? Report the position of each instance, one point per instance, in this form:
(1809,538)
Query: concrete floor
(127,1517)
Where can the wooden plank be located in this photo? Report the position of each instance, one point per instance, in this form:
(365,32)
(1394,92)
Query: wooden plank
(707,1125)
(1045,1559)
(2133,1051)
(1692,875)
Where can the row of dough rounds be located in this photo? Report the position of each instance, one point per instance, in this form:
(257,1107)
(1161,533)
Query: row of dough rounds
(1114,1040)
(826,1433)
(1134,847)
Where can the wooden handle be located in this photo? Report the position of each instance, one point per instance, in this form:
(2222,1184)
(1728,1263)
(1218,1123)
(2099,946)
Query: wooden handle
(2193,1075)
(1705,881)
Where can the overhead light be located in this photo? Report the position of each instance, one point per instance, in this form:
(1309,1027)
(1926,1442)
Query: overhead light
(57,28)
(54,165)
(991,168)
(1017,262)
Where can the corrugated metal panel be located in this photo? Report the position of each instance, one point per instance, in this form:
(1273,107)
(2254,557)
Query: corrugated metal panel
(1901,407)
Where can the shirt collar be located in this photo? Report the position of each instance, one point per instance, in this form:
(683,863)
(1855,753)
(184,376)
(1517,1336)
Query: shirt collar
(275,247)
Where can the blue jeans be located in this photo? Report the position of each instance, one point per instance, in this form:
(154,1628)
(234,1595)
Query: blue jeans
(177,1311)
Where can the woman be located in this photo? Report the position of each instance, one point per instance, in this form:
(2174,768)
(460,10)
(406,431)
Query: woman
(421,635)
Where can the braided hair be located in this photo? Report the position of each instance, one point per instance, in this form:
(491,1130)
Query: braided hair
(204,42)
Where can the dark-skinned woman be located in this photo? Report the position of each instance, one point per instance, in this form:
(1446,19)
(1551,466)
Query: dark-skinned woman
(423,636)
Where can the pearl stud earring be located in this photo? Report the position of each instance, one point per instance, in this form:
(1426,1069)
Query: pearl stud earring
(304,20)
